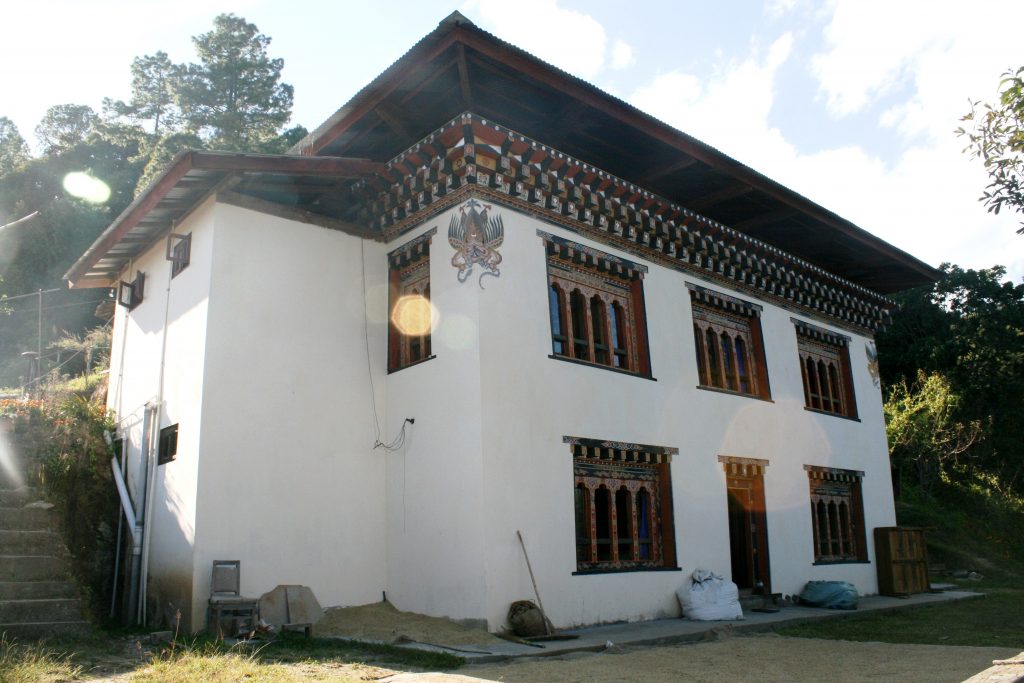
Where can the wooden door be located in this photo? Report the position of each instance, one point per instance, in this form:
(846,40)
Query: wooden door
(748,532)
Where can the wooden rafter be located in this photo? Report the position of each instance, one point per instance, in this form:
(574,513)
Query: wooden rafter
(464,86)
(731,191)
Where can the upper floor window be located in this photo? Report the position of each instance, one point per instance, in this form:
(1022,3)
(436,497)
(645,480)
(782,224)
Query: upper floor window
(179,252)
(411,312)
(596,307)
(825,370)
(623,506)
(837,514)
(728,343)
(129,294)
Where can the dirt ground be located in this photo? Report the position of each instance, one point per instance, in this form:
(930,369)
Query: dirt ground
(754,658)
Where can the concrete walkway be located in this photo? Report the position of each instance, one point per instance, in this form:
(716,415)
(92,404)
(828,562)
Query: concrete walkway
(666,631)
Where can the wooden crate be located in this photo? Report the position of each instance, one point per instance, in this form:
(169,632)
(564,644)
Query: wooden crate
(902,560)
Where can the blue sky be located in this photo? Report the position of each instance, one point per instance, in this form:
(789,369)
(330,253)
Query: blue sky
(850,102)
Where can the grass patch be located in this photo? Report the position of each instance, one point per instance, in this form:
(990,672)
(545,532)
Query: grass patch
(210,664)
(996,620)
(33,663)
(290,657)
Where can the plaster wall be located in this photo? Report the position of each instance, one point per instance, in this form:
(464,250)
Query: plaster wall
(162,365)
(289,482)
(436,489)
(530,401)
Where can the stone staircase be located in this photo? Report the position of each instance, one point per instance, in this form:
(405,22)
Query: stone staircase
(37,596)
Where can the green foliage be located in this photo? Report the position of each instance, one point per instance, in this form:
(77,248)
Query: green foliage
(153,81)
(233,96)
(923,434)
(162,153)
(997,138)
(62,445)
(14,150)
(65,125)
(968,328)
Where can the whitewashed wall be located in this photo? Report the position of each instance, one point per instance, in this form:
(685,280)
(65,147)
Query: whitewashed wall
(530,401)
(282,473)
(137,351)
(288,481)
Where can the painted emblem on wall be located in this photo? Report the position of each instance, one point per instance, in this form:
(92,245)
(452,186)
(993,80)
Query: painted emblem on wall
(476,235)
(872,354)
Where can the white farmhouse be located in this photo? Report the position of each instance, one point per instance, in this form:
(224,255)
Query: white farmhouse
(487,298)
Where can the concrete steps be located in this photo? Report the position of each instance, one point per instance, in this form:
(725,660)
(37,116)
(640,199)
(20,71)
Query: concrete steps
(37,597)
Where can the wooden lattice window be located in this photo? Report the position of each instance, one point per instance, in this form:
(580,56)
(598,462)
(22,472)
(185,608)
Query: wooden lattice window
(411,312)
(728,344)
(623,507)
(596,312)
(825,371)
(837,515)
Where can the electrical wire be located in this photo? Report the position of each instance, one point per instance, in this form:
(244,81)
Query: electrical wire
(40,378)
(398,442)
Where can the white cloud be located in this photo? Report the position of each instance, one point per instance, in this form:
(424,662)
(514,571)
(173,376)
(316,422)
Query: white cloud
(622,55)
(571,40)
(922,199)
(941,51)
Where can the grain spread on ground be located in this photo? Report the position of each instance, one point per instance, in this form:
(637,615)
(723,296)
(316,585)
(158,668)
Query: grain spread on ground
(380,621)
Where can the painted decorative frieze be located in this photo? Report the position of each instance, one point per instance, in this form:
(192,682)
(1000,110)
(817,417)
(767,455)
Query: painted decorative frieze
(471,157)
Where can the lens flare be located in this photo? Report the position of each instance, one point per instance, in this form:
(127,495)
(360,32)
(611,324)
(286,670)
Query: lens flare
(412,315)
(457,332)
(86,187)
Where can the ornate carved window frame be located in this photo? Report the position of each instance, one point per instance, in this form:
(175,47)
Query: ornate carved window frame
(825,370)
(837,515)
(623,506)
(408,275)
(596,307)
(728,344)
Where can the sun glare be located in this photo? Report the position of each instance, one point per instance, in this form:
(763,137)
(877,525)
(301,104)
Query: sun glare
(412,315)
(86,187)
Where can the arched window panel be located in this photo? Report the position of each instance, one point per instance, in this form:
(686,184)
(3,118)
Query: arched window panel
(624,523)
(559,330)
(578,313)
(584,547)
(729,352)
(599,330)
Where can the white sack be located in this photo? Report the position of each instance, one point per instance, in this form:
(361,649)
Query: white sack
(709,597)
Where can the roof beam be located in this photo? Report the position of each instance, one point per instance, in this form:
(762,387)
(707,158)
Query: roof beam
(707,201)
(659,172)
(395,120)
(467,91)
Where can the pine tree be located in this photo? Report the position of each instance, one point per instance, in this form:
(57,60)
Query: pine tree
(13,148)
(65,125)
(153,85)
(233,97)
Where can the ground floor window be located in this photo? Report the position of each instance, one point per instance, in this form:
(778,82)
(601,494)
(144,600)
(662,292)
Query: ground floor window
(623,506)
(837,514)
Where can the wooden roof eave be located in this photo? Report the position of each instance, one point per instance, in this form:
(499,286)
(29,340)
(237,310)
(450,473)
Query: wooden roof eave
(224,162)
